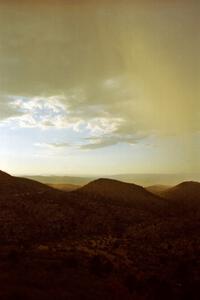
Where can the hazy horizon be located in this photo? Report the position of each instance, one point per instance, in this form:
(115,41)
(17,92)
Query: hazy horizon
(143,179)
(197,174)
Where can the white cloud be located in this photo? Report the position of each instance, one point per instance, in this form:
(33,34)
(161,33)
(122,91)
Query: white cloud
(103,126)
(107,111)
(109,140)
(97,111)
(41,112)
(6,109)
(52,145)
(70,111)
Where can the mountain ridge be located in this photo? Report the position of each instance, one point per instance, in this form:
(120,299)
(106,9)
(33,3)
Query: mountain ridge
(18,185)
(122,193)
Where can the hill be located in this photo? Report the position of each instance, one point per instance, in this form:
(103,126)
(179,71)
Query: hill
(121,193)
(4,175)
(185,191)
(184,196)
(11,185)
(102,207)
(106,240)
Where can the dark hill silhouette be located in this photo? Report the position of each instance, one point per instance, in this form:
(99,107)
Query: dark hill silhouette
(121,193)
(107,240)
(15,186)
(185,191)
(4,175)
(102,207)
(185,196)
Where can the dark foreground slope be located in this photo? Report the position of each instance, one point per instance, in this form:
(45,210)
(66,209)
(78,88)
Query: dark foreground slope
(108,240)
(13,186)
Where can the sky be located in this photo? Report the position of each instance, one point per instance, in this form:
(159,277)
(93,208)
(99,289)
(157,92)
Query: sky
(99,87)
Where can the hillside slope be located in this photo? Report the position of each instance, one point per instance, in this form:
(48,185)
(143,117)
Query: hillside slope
(30,210)
(121,193)
(107,240)
(11,185)
(185,193)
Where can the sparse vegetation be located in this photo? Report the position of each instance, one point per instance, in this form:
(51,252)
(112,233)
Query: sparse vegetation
(85,245)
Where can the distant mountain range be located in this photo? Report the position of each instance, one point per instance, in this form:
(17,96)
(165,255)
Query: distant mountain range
(58,180)
(140,179)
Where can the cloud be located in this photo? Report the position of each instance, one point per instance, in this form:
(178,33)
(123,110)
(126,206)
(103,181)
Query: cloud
(6,109)
(61,111)
(81,110)
(129,74)
(109,111)
(109,140)
(52,145)
(103,126)
(42,112)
